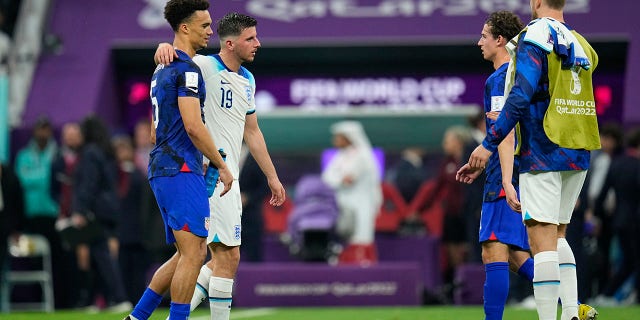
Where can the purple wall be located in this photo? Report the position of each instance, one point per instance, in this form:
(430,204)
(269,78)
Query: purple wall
(297,284)
(80,80)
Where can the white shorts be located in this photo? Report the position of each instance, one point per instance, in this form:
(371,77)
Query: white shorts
(226,215)
(550,196)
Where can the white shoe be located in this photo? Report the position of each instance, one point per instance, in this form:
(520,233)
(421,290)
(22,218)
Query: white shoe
(121,307)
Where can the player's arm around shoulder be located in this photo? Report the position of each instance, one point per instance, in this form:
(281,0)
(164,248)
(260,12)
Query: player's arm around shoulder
(165,53)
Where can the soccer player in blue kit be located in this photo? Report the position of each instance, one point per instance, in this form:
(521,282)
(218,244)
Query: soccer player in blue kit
(551,96)
(230,112)
(502,234)
(176,164)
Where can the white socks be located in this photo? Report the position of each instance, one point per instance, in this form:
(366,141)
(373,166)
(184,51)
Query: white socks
(568,280)
(202,287)
(546,284)
(220,298)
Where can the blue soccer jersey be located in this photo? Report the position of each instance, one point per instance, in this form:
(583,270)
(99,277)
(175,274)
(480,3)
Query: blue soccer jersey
(174,151)
(527,104)
(494,101)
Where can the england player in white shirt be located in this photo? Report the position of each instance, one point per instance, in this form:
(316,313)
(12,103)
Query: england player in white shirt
(230,117)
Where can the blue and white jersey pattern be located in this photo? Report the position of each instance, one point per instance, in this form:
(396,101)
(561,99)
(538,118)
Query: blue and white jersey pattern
(527,103)
(174,151)
(230,98)
(494,101)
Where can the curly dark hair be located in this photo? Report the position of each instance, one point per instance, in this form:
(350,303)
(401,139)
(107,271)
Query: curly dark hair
(504,23)
(179,11)
(233,23)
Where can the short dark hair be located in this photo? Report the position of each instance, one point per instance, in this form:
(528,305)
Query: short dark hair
(504,23)
(633,138)
(233,23)
(42,122)
(615,132)
(179,11)
(555,4)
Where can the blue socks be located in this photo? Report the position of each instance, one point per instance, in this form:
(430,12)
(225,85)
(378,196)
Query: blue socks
(496,289)
(179,311)
(147,304)
(526,270)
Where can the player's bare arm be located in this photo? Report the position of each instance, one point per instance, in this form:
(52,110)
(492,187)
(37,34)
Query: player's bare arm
(505,152)
(190,112)
(255,141)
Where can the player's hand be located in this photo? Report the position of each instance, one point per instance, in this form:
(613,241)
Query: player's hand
(493,115)
(467,175)
(227,180)
(165,54)
(278,194)
(211,177)
(479,158)
(512,197)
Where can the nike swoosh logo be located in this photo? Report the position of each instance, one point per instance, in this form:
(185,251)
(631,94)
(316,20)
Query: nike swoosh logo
(224,82)
(194,90)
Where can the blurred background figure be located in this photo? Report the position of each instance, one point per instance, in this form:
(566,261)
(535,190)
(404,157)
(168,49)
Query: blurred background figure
(623,177)
(131,254)
(354,175)
(63,170)
(409,172)
(447,194)
(33,167)
(143,145)
(473,193)
(95,215)
(612,142)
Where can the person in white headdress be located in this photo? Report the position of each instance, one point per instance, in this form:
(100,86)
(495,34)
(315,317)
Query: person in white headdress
(354,174)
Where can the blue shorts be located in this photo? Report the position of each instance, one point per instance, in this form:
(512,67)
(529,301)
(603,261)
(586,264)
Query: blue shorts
(183,203)
(499,223)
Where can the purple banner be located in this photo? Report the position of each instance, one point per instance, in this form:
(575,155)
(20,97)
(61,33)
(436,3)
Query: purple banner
(349,20)
(80,79)
(293,284)
(406,92)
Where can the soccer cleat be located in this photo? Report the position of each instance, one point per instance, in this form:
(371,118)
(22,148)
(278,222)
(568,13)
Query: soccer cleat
(587,312)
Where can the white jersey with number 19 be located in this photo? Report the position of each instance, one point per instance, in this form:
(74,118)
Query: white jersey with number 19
(230,98)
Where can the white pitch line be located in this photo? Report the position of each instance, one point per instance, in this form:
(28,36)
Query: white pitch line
(244,314)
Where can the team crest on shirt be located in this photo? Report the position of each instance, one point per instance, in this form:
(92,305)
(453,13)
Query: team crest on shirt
(249,92)
(237,231)
(206,223)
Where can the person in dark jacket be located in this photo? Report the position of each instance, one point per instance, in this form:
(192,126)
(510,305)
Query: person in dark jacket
(624,178)
(95,209)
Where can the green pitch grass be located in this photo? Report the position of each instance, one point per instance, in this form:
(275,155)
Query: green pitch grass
(372,313)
